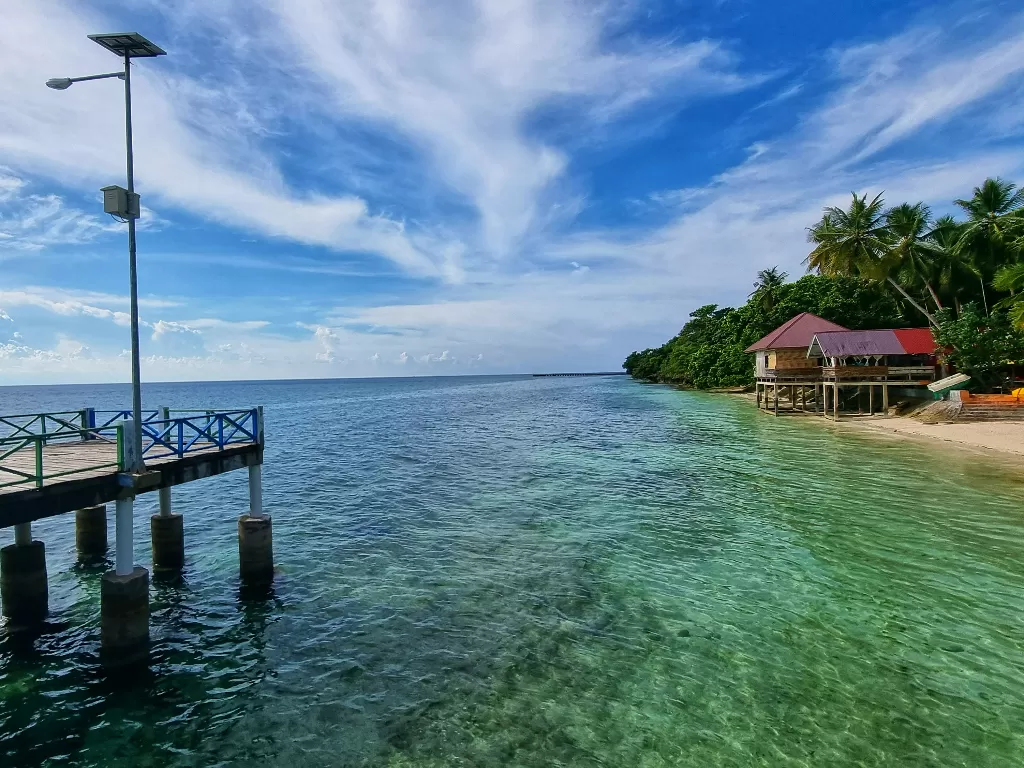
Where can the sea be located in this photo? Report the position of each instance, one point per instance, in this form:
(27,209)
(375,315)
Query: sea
(518,571)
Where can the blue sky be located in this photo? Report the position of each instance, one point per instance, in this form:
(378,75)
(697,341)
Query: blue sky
(395,187)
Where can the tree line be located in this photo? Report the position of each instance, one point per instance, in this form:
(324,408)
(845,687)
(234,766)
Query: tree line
(876,267)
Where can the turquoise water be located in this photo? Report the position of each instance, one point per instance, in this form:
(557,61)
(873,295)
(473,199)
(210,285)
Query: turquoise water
(536,572)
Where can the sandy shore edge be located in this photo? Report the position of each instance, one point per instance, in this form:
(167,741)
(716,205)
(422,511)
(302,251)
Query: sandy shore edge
(1003,438)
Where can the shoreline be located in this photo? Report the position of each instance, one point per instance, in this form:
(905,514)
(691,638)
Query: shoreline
(997,439)
(1002,439)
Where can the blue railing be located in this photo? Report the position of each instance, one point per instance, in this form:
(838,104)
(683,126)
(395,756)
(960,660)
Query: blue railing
(165,434)
(205,431)
(106,418)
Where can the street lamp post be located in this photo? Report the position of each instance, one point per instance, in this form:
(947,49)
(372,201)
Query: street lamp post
(127,45)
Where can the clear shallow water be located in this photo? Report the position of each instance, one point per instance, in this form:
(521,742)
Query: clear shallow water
(547,572)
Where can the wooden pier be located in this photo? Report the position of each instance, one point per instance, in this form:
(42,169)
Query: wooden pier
(595,373)
(53,463)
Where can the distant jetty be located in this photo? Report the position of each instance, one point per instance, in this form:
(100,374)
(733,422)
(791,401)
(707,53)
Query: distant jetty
(595,373)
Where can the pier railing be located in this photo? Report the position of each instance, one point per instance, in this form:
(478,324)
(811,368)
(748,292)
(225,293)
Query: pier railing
(39,447)
(24,462)
(54,423)
(208,430)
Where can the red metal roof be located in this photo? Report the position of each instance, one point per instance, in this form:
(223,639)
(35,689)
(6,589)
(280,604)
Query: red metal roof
(901,341)
(796,332)
(854,343)
(916,341)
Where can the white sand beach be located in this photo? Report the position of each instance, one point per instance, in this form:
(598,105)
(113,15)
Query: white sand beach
(1005,437)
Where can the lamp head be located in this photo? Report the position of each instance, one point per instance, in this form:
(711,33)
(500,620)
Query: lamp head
(59,83)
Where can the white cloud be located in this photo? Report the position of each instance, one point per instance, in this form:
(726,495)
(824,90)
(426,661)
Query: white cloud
(329,341)
(61,303)
(210,166)
(216,323)
(463,78)
(456,98)
(10,184)
(901,85)
(35,222)
(457,82)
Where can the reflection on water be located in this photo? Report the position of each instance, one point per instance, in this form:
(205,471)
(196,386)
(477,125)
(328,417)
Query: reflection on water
(554,571)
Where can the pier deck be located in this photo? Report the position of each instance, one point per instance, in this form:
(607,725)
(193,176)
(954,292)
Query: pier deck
(51,464)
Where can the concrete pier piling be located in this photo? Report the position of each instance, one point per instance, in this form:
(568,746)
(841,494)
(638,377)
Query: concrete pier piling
(124,597)
(63,468)
(124,616)
(23,586)
(91,532)
(168,534)
(256,535)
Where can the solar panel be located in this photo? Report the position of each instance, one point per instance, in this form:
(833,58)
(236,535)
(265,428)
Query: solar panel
(131,44)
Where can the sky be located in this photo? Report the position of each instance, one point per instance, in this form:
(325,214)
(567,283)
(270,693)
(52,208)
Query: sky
(443,187)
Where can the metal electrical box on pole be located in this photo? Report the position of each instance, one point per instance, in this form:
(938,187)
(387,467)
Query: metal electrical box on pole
(118,201)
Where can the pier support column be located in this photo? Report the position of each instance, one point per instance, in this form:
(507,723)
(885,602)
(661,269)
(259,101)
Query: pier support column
(835,401)
(23,587)
(885,399)
(167,530)
(256,535)
(91,532)
(124,596)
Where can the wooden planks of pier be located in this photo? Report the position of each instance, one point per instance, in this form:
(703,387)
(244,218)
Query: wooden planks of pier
(88,483)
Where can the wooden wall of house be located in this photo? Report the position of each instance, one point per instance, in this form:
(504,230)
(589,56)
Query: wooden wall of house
(780,359)
(761,364)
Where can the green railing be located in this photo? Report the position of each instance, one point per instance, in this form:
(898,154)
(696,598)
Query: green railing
(54,424)
(30,443)
(23,461)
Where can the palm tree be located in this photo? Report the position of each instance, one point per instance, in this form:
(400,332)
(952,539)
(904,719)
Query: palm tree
(766,288)
(954,270)
(992,224)
(855,242)
(912,255)
(1011,278)
(849,242)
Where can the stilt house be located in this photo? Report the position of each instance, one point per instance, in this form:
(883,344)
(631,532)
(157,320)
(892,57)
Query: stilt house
(782,354)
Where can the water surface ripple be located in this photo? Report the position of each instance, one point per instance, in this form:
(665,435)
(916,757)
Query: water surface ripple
(536,572)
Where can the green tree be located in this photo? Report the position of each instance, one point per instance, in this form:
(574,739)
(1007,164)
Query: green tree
(849,241)
(857,242)
(912,253)
(993,225)
(645,365)
(708,351)
(1011,279)
(980,345)
(957,278)
(768,287)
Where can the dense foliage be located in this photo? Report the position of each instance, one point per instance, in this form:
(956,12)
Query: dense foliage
(875,267)
(708,351)
(980,344)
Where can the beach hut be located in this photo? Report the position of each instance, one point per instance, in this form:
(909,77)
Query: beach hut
(781,360)
(866,360)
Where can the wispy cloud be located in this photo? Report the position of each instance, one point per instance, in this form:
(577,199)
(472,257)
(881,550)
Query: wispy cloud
(433,136)
(456,82)
(464,79)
